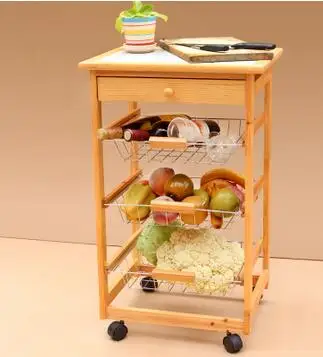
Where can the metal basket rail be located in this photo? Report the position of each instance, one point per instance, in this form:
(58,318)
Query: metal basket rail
(191,152)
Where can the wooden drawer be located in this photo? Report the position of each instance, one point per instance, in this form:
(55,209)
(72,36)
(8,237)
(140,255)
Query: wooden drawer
(171,90)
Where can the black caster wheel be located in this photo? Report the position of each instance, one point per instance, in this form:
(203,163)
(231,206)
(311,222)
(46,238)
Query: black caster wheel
(148,284)
(117,330)
(232,343)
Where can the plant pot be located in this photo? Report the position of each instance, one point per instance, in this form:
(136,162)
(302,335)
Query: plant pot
(139,34)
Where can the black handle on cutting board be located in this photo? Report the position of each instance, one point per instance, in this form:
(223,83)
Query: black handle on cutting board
(223,48)
(254,46)
(214,48)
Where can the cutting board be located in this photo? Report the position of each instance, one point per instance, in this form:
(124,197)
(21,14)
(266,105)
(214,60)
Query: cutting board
(200,56)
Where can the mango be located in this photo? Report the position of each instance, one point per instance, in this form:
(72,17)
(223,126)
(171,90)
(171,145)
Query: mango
(198,216)
(138,194)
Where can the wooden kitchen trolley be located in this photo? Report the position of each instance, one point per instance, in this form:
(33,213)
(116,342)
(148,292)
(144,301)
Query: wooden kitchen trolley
(161,77)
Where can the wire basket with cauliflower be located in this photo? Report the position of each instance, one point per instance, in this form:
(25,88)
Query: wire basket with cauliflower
(186,260)
(214,262)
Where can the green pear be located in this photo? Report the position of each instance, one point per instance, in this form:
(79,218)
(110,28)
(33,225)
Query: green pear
(224,200)
(203,195)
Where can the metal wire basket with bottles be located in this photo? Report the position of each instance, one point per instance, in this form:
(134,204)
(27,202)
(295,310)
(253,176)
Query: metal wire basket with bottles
(184,139)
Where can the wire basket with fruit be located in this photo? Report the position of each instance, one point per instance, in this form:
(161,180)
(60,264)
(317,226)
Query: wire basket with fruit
(215,199)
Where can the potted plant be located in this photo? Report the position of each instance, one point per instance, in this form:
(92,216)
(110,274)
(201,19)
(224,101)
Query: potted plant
(138,25)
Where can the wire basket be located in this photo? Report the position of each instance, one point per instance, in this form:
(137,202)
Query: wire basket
(216,150)
(175,213)
(147,277)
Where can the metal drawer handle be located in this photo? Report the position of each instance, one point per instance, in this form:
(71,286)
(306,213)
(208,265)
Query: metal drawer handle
(169,92)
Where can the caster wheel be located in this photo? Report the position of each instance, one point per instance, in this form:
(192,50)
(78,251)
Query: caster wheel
(117,330)
(232,343)
(148,284)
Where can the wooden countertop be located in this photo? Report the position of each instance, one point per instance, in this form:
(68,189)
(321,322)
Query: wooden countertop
(161,61)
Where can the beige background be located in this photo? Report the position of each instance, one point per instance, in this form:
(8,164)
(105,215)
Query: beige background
(45,148)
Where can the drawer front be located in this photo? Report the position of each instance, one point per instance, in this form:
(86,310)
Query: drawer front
(171,90)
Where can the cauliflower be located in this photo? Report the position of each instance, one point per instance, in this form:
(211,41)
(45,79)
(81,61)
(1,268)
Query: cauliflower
(214,260)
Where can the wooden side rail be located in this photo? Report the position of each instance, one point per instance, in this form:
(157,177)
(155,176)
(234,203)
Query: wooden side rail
(127,119)
(120,283)
(146,268)
(262,80)
(178,207)
(179,319)
(258,187)
(156,142)
(123,251)
(121,187)
(259,288)
(259,122)
(255,279)
(160,274)
(184,277)
(256,249)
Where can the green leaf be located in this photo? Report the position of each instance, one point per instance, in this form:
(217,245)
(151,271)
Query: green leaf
(130,13)
(125,13)
(137,10)
(137,6)
(161,16)
(146,9)
(140,14)
(118,24)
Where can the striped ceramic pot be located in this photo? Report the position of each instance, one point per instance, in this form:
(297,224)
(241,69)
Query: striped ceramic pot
(139,34)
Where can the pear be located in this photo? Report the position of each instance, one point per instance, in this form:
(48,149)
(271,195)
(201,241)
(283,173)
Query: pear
(204,196)
(224,200)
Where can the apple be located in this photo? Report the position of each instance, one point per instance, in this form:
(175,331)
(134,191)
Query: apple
(158,179)
(164,218)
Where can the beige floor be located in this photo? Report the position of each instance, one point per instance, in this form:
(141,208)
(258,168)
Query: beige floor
(48,308)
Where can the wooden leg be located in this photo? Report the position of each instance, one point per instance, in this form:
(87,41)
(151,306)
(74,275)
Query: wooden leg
(249,200)
(99,194)
(134,167)
(267,173)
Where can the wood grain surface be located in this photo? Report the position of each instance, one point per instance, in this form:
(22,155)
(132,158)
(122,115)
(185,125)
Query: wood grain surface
(200,56)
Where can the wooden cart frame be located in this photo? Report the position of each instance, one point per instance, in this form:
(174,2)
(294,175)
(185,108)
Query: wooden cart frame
(228,83)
